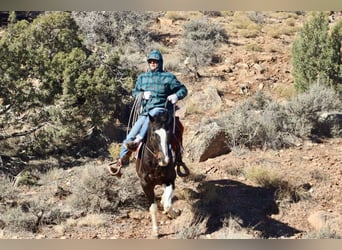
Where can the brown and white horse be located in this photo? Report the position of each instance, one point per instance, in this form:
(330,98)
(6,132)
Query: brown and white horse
(156,166)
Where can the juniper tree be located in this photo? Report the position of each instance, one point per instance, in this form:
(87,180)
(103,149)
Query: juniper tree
(316,56)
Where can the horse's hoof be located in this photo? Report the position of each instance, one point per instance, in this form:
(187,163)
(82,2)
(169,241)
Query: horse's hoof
(155,236)
(174,213)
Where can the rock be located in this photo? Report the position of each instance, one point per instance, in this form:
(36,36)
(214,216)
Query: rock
(207,142)
(330,124)
(259,68)
(318,220)
(323,220)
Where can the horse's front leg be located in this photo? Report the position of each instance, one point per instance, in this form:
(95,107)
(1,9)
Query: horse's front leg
(166,201)
(149,192)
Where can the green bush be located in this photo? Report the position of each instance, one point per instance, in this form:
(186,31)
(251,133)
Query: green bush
(316,54)
(52,82)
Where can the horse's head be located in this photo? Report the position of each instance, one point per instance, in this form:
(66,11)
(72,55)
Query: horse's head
(160,137)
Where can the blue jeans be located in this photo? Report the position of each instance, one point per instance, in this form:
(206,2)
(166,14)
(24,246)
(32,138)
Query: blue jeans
(140,128)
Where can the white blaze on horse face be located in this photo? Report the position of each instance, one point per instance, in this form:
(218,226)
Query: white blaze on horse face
(163,142)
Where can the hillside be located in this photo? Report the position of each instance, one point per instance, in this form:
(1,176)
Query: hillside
(220,199)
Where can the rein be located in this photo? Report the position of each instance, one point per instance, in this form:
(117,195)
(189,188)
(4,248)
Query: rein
(149,150)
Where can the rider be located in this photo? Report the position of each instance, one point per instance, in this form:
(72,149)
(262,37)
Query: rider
(157,89)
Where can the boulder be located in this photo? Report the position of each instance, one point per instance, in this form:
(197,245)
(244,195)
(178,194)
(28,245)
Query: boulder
(209,141)
(330,124)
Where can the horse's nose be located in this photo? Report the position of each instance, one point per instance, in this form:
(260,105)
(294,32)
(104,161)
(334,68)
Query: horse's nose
(163,160)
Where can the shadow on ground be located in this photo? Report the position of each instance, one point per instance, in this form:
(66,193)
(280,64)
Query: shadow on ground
(222,199)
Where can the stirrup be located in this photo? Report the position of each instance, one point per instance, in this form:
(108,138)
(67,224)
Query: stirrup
(115,170)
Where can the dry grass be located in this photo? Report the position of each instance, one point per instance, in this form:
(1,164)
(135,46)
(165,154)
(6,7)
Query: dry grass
(254,47)
(263,177)
(325,233)
(277,30)
(92,220)
(285,91)
(232,229)
(114,150)
(194,230)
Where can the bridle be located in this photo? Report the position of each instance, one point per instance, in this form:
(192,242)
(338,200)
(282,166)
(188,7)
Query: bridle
(151,151)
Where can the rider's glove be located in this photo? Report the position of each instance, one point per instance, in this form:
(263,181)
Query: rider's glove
(172,98)
(147,95)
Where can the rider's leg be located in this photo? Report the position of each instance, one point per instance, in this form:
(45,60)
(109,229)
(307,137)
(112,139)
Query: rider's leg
(133,144)
(124,152)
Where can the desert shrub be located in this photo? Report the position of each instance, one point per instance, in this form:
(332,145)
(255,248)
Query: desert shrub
(257,122)
(202,29)
(200,40)
(316,55)
(96,191)
(126,31)
(261,122)
(245,25)
(116,27)
(304,109)
(199,53)
(8,193)
(30,214)
(256,16)
(241,20)
(212,13)
(53,176)
(17,220)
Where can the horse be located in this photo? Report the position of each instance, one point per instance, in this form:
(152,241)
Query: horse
(155,165)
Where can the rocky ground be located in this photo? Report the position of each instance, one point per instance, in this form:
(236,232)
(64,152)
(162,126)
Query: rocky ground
(230,204)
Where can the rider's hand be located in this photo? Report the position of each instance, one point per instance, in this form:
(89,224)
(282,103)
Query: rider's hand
(172,98)
(147,95)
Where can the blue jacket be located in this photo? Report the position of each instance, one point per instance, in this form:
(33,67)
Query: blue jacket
(160,83)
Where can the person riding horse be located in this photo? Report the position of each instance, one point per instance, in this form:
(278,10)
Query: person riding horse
(158,89)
